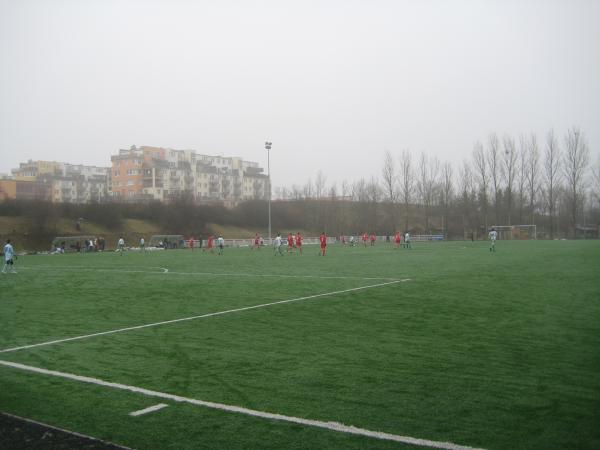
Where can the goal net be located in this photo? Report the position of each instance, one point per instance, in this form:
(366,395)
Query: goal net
(508,232)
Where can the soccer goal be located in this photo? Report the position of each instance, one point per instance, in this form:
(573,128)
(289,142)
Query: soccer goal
(507,232)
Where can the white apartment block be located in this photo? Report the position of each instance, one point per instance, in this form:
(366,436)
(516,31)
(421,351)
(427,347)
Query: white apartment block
(68,183)
(80,184)
(165,174)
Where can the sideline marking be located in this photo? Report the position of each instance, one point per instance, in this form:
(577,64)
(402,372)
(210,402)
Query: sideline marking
(202,316)
(73,433)
(333,426)
(216,274)
(148,409)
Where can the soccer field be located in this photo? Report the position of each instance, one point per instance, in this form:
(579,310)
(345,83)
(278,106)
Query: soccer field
(446,345)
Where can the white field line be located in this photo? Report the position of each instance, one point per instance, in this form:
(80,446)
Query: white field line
(148,410)
(252,275)
(216,274)
(333,426)
(229,311)
(73,433)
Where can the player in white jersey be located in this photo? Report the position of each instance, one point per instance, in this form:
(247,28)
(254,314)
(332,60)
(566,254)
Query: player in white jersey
(221,245)
(277,245)
(493,236)
(9,254)
(407,240)
(142,244)
(121,245)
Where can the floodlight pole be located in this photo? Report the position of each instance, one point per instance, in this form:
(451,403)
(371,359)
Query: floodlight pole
(268,147)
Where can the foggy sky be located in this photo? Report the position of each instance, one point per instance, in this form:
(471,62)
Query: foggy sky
(333,84)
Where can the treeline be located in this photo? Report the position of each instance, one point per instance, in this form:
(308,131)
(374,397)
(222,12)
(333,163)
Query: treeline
(549,182)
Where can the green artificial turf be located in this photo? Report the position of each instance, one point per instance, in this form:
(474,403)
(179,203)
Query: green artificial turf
(494,350)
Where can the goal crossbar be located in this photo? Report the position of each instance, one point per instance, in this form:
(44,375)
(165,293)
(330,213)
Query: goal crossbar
(516,231)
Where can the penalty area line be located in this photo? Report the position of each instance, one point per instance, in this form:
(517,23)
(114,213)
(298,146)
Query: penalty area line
(202,316)
(332,426)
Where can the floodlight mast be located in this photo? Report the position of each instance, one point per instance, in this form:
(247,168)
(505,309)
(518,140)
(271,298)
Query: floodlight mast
(268,147)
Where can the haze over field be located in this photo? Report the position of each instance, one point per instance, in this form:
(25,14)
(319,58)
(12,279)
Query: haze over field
(333,84)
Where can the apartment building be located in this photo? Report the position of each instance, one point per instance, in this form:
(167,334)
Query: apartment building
(57,182)
(31,170)
(11,189)
(142,173)
(131,169)
(80,184)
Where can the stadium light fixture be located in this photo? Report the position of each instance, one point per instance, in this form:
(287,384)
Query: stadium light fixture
(268,147)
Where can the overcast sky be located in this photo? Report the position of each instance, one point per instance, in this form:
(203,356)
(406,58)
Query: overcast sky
(333,84)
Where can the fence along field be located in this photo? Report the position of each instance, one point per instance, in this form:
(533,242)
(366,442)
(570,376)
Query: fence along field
(475,350)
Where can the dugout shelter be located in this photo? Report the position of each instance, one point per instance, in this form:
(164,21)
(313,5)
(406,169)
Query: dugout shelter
(167,241)
(73,243)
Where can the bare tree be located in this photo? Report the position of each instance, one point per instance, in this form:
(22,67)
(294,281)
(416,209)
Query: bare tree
(446,193)
(510,170)
(533,162)
(374,195)
(359,190)
(596,182)
(466,195)
(522,174)
(333,219)
(296,192)
(374,192)
(483,179)
(495,168)
(552,176)
(388,173)
(575,164)
(390,183)
(345,189)
(345,218)
(308,189)
(407,183)
(320,185)
(429,169)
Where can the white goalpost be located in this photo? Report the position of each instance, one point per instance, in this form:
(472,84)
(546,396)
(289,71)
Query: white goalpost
(508,232)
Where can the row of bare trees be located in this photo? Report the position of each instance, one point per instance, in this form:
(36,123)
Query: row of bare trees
(507,181)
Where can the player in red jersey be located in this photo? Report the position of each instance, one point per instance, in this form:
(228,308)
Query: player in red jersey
(299,242)
(397,239)
(365,237)
(323,241)
(373,238)
(290,242)
(257,242)
(191,243)
(209,244)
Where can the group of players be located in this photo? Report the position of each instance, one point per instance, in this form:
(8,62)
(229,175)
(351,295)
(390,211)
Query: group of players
(294,245)
(373,238)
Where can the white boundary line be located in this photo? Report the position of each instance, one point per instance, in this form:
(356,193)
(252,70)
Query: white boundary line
(333,426)
(246,308)
(73,433)
(216,274)
(148,410)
